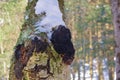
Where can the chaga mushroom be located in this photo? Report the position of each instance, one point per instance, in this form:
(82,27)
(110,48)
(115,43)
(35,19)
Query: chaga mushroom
(61,40)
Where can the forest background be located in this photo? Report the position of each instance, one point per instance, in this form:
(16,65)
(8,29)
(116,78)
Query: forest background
(90,22)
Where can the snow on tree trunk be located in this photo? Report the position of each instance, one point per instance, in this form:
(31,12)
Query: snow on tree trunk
(44,49)
(115,7)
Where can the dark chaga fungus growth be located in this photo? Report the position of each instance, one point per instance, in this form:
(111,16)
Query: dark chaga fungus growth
(61,40)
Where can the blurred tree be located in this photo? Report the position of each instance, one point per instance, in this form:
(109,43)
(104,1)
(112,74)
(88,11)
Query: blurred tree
(115,7)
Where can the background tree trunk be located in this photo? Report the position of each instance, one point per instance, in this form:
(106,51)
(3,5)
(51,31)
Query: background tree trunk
(115,6)
(31,63)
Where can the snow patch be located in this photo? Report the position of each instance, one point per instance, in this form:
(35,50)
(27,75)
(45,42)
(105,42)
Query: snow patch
(53,16)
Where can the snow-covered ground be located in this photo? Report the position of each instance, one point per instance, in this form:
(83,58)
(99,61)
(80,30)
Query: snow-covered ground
(95,71)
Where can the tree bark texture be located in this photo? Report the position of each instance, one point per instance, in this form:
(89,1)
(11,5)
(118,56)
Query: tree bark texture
(115,7)
(35,59)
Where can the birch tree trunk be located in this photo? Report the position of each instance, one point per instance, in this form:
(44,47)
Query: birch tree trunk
(34,57)
(115,7)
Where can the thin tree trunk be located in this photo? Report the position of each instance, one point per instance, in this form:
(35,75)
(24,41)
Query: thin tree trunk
(78,71)
(84,59)
(34,57)
(72,74)
(115,7)
(100,55)
(91,54)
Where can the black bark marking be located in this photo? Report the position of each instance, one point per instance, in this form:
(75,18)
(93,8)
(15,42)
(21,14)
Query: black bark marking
(118,3)
(48,67)
(38,68)
(118,56)
(119,27)
(44,78)
(61,40)
(118,79)
(118,21)
(17,51)
(118,71)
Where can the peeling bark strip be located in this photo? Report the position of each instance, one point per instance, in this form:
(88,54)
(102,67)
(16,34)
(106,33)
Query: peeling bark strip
(115,7)
(43,34)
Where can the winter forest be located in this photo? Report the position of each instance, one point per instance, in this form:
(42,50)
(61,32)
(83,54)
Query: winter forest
(95,31)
